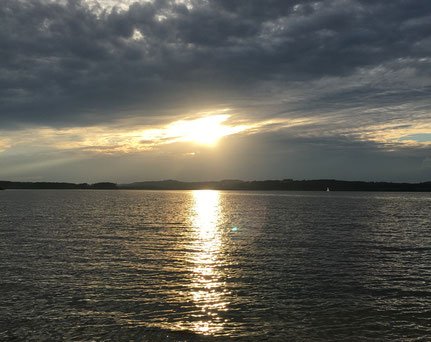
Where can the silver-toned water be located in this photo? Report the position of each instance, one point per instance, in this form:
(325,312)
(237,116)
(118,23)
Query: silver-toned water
(184,265)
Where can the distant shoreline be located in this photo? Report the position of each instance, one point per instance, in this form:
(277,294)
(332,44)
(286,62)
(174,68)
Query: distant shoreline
(266,185)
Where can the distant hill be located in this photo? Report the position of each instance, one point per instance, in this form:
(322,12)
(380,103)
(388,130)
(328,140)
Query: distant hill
(286,185)
(232,184)
(177,185)
(55,185)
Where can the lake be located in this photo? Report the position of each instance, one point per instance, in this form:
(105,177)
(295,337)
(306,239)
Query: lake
(214,265)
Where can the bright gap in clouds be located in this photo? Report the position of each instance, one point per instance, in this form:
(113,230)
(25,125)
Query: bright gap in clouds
(205,131)
(418,137)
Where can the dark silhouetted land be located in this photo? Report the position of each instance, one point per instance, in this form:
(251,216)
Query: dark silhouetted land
(55,185)
(284,185)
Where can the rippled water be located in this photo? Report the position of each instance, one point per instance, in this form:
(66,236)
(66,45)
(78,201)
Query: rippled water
(209,265)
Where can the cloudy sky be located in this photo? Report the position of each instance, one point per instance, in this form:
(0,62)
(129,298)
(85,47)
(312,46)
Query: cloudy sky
(213,89)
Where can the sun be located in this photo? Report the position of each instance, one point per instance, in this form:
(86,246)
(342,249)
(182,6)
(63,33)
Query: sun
(207,130)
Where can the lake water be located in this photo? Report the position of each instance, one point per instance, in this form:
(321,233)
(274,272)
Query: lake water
(213,265)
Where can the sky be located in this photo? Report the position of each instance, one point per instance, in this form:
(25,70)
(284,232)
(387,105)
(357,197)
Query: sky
(127,91)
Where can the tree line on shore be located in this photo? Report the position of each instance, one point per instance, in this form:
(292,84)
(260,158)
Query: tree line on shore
(283,185)
(55,185)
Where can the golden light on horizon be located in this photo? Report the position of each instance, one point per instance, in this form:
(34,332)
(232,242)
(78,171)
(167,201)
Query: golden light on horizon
(207,130)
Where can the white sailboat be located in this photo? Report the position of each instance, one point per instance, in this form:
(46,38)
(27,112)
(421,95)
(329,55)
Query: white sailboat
(327,189)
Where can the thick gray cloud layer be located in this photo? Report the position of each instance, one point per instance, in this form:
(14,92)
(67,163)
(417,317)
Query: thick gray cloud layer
(74,63)
(354,68)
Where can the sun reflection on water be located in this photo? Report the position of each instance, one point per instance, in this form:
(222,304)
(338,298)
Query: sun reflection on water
(207,289)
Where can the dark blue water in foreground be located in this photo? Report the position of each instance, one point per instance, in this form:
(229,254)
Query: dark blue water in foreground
(208,265)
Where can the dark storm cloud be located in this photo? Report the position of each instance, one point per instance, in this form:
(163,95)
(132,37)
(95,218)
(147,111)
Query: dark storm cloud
(74,64)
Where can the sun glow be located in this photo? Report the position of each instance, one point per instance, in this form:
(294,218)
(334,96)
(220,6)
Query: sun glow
(206,130)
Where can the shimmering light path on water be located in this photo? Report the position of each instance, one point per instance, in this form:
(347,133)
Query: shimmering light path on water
(208,265)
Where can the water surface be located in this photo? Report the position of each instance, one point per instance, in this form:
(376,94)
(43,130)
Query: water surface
(212,265)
